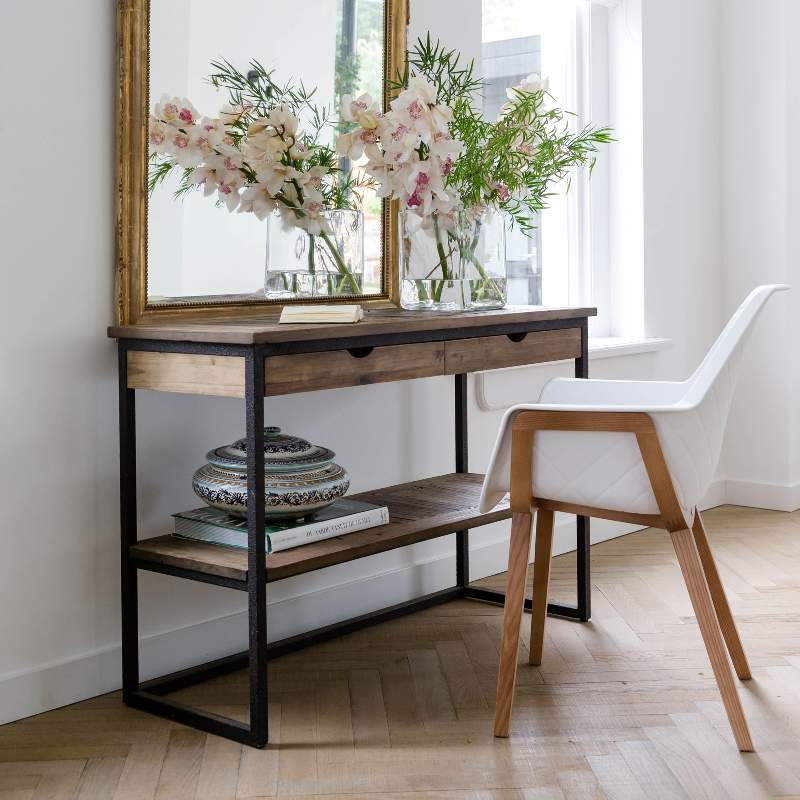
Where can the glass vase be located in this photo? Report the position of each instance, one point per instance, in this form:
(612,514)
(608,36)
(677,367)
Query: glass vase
(453,264)
(301,265)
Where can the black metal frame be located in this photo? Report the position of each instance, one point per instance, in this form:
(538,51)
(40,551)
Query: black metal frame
(149,696)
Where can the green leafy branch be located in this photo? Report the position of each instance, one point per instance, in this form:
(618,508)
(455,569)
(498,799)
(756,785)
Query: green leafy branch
(530,147)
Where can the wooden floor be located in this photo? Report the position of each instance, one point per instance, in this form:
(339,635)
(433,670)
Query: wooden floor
(622,707)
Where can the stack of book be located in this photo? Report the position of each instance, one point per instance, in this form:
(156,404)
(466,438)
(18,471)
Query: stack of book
(344,516)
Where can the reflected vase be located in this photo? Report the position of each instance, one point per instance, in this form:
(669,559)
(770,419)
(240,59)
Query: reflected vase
(302,265)
(453,264)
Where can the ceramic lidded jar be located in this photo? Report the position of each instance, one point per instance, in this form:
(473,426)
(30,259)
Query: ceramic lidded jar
(299,478)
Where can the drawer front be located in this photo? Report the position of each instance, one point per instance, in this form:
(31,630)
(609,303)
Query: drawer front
(310,371)
(186,373)
(496,352)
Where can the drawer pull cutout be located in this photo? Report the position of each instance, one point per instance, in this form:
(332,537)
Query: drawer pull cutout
(517,337)
(360,352)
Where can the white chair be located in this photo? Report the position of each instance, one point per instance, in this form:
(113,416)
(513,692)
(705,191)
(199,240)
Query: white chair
(634,451)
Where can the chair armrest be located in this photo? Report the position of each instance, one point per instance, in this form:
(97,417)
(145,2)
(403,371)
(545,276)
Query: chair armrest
(618,418)
(627,395)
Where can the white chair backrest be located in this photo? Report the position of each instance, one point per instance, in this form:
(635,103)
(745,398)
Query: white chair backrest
(692,438)
(726,351)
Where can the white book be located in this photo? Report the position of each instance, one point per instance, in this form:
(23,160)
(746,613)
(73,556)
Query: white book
(342,517)
(322,313)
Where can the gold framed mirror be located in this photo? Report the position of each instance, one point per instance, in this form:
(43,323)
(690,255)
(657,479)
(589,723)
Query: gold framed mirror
(189,258)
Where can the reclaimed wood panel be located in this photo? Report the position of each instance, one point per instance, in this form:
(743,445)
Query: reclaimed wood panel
(418,511)
(498,352)
(309,372)
(221,376)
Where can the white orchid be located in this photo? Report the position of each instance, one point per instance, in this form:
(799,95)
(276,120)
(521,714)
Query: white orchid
(229,195)
(399,139)
(184,148)
(423,185)
(205,177)
(231,114)
(423,88)
(282,119)
(530,85)
(273,176)
(176,111)
(354,144)
(220,174)
(157,135)
(213,131)
(417,109)
(264,147)
(312,177)
(410,150)
(257,199)
(313,220)
(299,152)
(355,110)
(445,147)
(207,137)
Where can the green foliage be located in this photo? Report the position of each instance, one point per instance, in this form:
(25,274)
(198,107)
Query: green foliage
(161,167)
(524,152)
(258,93)
(454,83)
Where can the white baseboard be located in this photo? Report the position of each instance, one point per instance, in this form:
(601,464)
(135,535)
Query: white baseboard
(774,496)
(60,683)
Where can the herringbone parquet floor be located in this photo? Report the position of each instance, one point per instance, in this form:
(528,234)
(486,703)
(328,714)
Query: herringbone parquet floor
(623,707)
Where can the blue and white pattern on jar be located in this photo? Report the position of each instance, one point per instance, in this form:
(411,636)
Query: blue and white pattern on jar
(299,478)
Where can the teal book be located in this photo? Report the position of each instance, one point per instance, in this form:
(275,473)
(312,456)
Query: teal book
(344,516)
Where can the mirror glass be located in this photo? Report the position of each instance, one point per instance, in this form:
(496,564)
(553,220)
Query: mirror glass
(197,250)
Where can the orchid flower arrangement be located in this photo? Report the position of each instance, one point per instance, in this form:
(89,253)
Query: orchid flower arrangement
(255,156)
(435,153)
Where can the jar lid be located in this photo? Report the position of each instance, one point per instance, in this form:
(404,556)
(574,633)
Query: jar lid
(282,453)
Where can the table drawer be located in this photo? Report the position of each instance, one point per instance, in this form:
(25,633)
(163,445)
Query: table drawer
(358,366)
(496,352)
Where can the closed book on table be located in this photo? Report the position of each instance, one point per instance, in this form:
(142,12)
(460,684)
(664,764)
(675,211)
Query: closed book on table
(344,516)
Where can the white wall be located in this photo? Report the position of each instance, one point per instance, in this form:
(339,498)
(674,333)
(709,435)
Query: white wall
(682,169)
(59,609)
(760,244)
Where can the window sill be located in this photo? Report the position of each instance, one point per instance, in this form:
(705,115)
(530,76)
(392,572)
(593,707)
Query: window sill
(613,346)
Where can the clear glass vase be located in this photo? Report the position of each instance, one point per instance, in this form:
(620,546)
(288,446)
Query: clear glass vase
(448,265)
(325,265)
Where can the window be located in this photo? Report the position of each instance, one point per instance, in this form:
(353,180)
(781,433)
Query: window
(566,260)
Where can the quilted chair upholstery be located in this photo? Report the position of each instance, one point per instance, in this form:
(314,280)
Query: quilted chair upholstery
(605,470)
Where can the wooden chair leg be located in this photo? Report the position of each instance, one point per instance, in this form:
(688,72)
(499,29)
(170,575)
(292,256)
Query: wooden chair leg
(518,555)
(718,596)
(543,552)
(691,566)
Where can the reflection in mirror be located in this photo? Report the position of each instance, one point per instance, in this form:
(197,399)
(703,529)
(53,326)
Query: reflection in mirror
(197,250)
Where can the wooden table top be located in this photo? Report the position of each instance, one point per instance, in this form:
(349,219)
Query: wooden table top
(264,329)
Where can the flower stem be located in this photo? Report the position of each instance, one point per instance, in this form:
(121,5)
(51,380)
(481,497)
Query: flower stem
(312,266)
(332,249)
(340,262)
(468,252)
(438,286)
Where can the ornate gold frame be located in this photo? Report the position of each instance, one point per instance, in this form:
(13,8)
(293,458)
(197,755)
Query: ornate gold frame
(133,53)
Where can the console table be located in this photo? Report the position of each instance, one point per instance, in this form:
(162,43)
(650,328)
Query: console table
(254,358)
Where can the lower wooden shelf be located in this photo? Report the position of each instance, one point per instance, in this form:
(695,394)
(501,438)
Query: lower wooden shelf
(418,511)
